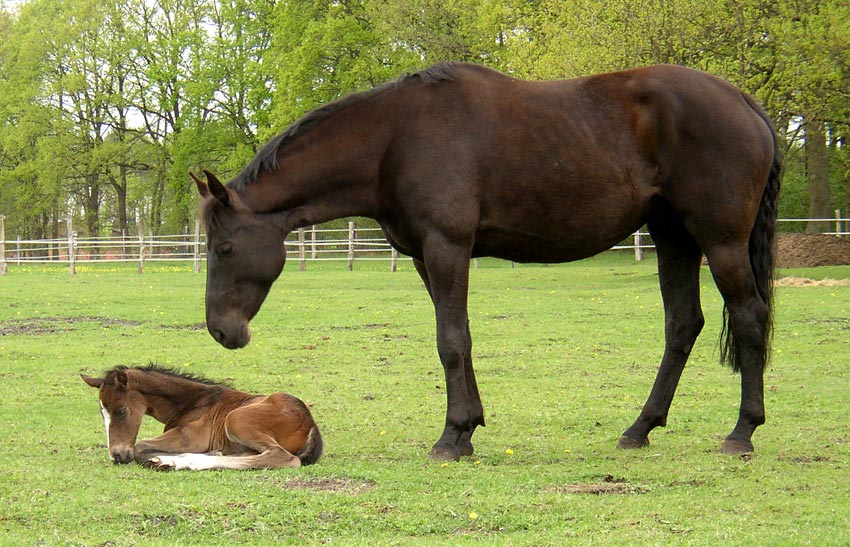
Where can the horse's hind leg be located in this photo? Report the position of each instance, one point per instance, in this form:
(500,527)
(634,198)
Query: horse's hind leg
(749,317)
(265,427)
(679,259)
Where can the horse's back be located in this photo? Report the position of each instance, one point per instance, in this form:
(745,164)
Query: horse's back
(561,170)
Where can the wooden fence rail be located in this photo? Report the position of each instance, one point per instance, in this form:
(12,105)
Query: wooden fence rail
(307,244)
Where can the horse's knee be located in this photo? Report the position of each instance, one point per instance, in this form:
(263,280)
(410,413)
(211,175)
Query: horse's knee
(683,331)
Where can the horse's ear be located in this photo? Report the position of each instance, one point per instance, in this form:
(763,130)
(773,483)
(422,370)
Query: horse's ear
(216,188)
(93,382)
(202,186)
(121,379)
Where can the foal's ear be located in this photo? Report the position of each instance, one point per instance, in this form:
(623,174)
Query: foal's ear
(216,188)
(93,382)
(121,379)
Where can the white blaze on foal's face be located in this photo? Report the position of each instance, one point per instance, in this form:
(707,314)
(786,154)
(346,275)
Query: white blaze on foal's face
(106,420)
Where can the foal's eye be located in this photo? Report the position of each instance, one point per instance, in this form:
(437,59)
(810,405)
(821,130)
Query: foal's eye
(225,249)
(121,412)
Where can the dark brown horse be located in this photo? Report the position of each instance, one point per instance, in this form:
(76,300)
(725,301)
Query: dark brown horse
(207,425)
(460,161)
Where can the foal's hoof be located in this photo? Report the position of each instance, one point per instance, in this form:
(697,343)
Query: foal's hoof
(444,454)
(158,465)
(737,448)
(628,443)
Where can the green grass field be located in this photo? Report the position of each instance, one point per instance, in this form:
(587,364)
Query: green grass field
(565,357)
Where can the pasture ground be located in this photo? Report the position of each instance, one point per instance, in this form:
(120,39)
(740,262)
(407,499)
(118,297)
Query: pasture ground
(565,357)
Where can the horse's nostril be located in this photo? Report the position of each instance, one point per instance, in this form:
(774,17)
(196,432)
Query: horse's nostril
(218,335)
(121,457)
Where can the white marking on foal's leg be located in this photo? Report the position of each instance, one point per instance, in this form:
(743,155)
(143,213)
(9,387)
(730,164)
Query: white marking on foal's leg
(194,462)
(106,421)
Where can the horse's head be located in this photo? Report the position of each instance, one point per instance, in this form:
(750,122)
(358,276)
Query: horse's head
(245,255)
(123,410)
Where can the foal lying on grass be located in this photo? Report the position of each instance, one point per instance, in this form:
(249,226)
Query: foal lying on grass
(207,425)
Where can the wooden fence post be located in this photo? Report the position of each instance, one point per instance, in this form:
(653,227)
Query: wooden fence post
(72,267)
(141,267)
(351,233)
(838,226)
(196,248)
(638,247)
(3,245)
(302,251)
(393,260)
(314,251)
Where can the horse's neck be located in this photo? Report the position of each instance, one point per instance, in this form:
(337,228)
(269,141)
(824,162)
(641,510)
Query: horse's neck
(167,397)
(328,173)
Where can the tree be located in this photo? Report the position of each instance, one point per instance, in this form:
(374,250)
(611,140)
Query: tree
(32,181)
(106,104)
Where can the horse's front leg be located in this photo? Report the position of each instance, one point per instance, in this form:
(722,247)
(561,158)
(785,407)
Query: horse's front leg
(445,273)
(174,441)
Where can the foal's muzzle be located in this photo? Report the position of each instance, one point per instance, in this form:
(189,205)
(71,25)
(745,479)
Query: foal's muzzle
(121,455)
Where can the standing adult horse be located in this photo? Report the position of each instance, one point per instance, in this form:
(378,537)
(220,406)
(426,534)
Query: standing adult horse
(460,161)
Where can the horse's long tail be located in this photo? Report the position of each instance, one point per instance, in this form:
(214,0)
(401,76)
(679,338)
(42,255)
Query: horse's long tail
(762,249)
(313,449)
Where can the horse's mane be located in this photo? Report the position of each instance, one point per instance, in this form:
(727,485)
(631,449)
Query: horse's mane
(157,369)
(266,158)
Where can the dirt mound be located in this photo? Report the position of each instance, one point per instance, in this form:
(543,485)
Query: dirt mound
(809,250)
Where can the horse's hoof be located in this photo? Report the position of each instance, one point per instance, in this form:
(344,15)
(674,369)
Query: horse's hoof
(737,448)
(158,465)
(444,454)
(628,443)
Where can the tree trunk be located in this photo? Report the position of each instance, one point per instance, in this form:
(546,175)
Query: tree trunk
(121,192)
(92,206)
(817,169)
(155,218)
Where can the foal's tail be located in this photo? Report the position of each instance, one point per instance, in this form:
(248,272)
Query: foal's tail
(313,449)
(762,249)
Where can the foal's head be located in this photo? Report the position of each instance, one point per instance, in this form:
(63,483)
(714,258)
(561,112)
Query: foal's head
(245,255)
(123,409)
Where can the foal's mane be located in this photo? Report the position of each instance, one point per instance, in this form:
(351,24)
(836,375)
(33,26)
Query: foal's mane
(266,158)
(153,368)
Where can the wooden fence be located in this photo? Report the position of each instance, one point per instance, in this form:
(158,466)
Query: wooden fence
(304,245)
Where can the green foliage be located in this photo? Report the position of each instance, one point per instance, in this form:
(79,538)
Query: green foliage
(565,357)
(105,105)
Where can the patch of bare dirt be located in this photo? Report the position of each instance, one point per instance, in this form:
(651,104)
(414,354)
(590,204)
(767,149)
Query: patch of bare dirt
(792,281)
(52,325)
(189,326)
(608,485)
(344,486)
(811,250)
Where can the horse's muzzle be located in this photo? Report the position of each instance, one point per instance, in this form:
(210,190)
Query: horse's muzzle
(238,339)
(121,456)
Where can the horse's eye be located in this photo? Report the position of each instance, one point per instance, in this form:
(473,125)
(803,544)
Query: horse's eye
(225,249)
(121,412)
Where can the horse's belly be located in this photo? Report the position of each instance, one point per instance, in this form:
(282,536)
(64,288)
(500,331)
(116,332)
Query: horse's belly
(530,247)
